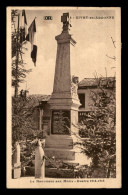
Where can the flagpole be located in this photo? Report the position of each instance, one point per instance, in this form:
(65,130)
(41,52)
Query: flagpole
(35,62)
(17,59)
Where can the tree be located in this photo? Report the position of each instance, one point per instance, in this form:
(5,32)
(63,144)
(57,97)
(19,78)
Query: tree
(21,108)
(99,127)
(23,123)
(18,70)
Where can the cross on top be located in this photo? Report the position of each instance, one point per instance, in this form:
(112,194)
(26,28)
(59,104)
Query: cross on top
(65,20)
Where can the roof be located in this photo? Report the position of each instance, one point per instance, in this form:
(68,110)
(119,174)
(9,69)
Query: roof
(93,82)
(39,97)
(36,99)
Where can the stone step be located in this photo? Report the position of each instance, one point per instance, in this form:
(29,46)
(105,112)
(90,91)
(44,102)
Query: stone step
(59,173)
(60,153)
(71,162)
(68,162)
(59,141)
(60,162)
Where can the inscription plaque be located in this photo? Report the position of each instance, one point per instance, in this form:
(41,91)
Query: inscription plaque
(61,122)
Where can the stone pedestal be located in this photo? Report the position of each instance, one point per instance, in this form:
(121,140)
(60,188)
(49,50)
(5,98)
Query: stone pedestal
(16,168)
(16,171)
(64,104)
(39,161)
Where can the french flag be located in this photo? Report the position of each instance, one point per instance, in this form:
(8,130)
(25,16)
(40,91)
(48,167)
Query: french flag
(31,37)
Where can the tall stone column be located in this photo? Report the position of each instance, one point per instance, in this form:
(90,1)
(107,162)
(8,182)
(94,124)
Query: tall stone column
(64,97)
(64,102)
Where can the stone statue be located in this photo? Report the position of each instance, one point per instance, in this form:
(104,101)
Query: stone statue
(65,20)
(74,86)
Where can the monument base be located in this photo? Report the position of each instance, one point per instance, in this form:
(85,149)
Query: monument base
(59,150)
(60,147)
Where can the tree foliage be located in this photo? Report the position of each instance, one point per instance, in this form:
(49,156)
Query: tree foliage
(24,125)
(22,108)
(99,128)
(19,71)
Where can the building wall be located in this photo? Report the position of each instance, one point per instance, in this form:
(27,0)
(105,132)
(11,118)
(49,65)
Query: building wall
(45,118)
(87,98)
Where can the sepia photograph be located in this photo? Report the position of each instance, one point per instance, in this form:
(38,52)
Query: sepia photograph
(63,97)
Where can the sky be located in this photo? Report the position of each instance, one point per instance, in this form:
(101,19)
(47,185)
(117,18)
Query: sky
(88,56)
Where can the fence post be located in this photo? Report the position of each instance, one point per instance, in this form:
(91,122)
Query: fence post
(39,161)
(16,170)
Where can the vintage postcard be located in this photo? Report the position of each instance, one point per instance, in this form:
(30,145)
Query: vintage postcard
(63,97)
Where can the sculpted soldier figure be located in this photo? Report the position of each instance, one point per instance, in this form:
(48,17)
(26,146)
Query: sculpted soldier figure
(65,20)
